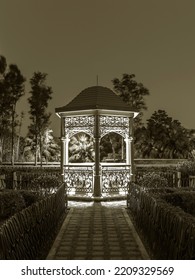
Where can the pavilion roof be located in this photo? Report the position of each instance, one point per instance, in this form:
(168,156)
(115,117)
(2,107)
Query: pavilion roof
(95,97)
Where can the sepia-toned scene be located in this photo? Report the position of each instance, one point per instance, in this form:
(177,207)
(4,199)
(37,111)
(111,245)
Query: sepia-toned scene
(97,132)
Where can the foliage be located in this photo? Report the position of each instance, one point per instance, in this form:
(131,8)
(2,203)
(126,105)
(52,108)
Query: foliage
(186,167)
(158,222)
(153,180)
(46,184)
(34,228)
(163,137)
(40,96)
(132,92)
(11,90)
(112,148)
(50,148)
(30,196)
(11,202)
(183,199)
(81,148)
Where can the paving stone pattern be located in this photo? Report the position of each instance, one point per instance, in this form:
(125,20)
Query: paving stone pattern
(97,231)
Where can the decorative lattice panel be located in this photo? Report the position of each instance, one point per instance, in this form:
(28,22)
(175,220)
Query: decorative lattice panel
(115,179)
(77,124)
(116,124)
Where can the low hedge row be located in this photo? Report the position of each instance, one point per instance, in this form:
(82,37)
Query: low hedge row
(13,201)
(168,231)
(184,200)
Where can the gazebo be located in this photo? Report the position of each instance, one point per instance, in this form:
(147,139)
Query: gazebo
(96,111)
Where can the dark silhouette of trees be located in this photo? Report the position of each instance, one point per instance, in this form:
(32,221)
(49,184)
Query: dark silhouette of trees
(11,90)
(40,118)
(132,93)
(163,137)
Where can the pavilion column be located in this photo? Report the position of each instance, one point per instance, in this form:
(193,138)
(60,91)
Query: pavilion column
(131,148)
(64,147)
(97,176)
(128,151)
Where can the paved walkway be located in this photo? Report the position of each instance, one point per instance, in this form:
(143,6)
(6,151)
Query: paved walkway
(97,231)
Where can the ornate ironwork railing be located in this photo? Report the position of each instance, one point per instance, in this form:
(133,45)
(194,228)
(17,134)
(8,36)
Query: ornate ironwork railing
(78,179)
(115,179)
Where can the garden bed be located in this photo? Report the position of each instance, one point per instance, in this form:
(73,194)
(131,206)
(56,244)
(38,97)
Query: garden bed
(29,232)
(183,199)
(168,230)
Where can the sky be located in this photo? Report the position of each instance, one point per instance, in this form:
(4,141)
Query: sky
(73,41)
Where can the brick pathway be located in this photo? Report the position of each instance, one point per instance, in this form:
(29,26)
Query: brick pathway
(97,231)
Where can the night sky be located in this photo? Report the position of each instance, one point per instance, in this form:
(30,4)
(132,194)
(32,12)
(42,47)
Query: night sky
(76,40)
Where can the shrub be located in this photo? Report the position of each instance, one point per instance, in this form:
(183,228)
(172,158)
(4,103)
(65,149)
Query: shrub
(30,196)
(186,167)
(153,180)
(11,202)
(46,184)
(183,199)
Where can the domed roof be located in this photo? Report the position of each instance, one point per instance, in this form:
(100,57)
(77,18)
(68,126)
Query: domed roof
(95,97)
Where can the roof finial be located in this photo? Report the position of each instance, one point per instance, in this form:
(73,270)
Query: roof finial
(97,80)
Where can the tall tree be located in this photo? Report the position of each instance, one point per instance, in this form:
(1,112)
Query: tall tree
(40,96)
(19,136)
(11,90)
(165,138)
(14,83)
(4,105)
(132,92)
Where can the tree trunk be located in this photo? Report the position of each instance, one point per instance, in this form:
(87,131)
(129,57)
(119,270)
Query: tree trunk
(12,147)
(41,148)
(19,133)
(36,149)
(113,149)
(1,150)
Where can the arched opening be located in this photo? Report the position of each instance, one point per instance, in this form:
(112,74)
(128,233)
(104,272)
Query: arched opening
(81,148)
(112,148)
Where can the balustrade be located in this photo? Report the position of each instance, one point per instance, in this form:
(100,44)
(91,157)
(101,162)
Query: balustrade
(79,179)
(115,179)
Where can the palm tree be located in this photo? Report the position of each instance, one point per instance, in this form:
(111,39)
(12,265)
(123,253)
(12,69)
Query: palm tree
(50,148)
(81,148)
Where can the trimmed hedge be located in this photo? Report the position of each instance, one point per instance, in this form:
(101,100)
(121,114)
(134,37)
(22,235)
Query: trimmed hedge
(184,200)
(27,233)
(30,197)
(169,232)
(11,202)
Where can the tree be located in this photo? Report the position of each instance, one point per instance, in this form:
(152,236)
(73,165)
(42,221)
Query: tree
(11,90)
(50,148)
(81,148)
(164,138)
(14,83)
(40,96)
(112,148)
(132,93)
(19,136)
